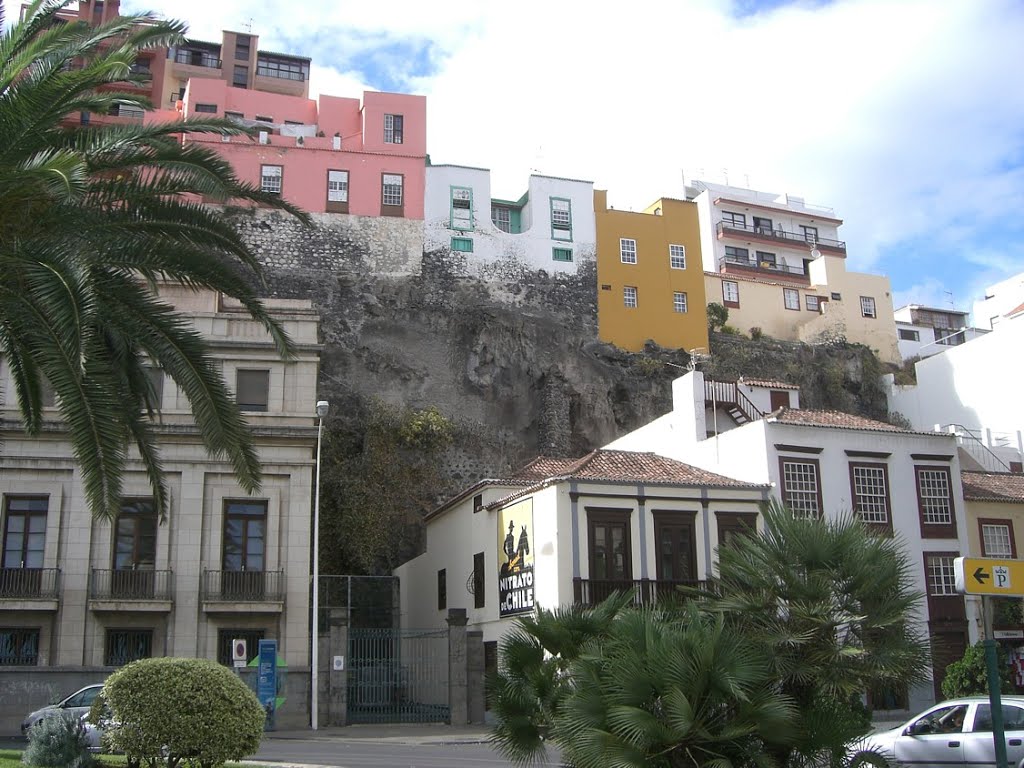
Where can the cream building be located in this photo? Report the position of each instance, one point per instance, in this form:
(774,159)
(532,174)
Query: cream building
(77,593)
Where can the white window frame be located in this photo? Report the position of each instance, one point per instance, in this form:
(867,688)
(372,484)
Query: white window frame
(501,218)
(735,291)
(679,302)
(271,179)
(941,576)
(996,540)
(391,136)
(561,218)
(801,484)
(629,296)
(867,307)
(871,493)
(813,303)
(388,187)
(677,256)
(935,495)
(627,250)
(337,186)
(791,298)
(461,217)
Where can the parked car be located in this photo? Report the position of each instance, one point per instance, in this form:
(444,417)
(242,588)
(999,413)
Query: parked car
(77,704)
(956,732)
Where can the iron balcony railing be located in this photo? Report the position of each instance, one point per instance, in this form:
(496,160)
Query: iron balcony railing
(123,584)
(244,586)
(29,583)
(645,591)
(781,235)
(752,263)
(197,59)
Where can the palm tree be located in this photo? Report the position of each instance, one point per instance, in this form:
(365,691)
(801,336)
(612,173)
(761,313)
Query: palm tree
(91,220)
(833,604)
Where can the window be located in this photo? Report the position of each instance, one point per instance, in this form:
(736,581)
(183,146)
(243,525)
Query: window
(610,552)
(935,502)
(765,259)
(867,306)
(677,257)
(736,219)
(734,524)
(836,296)
(997,538)
(675,543)
(240,78)
(337,186)
(392,189)
(252,639)
(679,302)
(810,233)
(126,645)
(478,502)
(479,581)
(284,69)
(870,486)
(211,108)
(561,218)
(243,548)
(764,226)
(801,488)
(501,217)
(19,647)
(627,250)
(263,119)
(234,115)
(791,298)
(135,536)
(561,254)
(442,590)
(730,293)
(1013,718)
(461,214)
(737,255)
(24,531)
(940,321)
(908,335)
(252,389)
(941,575)
(393,132)
(462,244)
(270,179)
(813,303)
(629,296)
(243,45)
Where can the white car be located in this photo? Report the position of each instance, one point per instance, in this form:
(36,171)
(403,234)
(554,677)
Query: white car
(77,704)
(953,733)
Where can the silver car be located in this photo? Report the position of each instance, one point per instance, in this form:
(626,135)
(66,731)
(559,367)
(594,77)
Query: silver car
(956,732)
(77,704)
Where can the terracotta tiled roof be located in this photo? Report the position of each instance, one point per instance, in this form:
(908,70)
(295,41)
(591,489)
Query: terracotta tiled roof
(832,419)
(767,383)
(993,486)
(622,466)
(1015,311)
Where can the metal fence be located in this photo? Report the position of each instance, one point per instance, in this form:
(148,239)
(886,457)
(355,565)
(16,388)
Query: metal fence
(372,601)
(123,584)
(244,586)
(29,583)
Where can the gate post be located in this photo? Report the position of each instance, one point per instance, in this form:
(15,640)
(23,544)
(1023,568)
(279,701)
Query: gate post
(458,711)
(337,685)
(475,676)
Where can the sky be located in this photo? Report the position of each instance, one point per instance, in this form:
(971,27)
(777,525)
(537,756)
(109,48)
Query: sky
(905,116)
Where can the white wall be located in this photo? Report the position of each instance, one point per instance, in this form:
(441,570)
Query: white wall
(497,253)
(999,299)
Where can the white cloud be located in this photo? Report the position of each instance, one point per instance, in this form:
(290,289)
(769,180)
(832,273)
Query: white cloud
(904,115)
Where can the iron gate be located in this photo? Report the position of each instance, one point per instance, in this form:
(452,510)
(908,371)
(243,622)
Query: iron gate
(398,676)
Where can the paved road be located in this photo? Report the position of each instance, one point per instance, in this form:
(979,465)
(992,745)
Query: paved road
(364,754)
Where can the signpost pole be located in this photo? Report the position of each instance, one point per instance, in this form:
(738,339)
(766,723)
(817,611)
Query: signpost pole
(994,698)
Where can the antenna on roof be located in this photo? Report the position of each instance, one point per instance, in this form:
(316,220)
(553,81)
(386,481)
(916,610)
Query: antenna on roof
(248,26)
(951,302)
(698,356)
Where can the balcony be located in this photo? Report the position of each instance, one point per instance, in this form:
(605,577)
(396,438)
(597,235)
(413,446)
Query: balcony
(243,591)
(645,591)
(141,590)
(197,59)
(778,235)
(31,589)
(752,265)
(280,73)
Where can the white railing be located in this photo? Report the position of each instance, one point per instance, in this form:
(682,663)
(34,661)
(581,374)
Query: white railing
(971,441)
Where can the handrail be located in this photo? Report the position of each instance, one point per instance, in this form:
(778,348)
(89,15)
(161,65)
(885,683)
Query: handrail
(748,408)
(728,392)
(778,233)
(753,263)
(966,433)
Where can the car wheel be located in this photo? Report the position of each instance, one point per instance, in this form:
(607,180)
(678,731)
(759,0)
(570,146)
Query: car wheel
(868,760)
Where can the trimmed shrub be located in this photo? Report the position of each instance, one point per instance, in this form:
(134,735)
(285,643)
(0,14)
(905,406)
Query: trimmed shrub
(58,741)
(969,675)
(169,710)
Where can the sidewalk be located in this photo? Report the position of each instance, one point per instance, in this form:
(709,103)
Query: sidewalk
(404,733)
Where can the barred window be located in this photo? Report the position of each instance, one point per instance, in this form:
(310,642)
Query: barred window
(125,645)
(801,488)
(19,647)
(392,189)
(996,540)
(627,250)
(870,492)
(941,575)
(935,496)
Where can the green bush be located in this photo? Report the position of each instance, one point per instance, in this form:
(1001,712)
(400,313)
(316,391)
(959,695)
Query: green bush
(756,333)
(170,710)
(969,676)
(58,742)
(718,315)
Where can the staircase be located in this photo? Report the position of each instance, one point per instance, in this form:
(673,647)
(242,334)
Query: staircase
(974,454)
(727,395)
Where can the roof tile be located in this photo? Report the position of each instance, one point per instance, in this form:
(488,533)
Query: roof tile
(993,486)
(767,383)
(833,419)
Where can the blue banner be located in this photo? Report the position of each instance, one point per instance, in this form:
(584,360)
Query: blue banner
(266,681)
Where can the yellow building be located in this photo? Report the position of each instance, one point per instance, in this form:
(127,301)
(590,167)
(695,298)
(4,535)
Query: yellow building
(650,276)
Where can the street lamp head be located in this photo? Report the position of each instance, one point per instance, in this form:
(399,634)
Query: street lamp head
(322,407)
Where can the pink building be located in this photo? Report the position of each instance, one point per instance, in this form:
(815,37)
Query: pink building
(332,155)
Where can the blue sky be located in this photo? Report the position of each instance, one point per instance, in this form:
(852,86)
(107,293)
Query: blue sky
(905,116)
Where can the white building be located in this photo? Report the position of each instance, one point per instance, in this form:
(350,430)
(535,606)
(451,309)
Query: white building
(551,227)
(972,390)
(609,521)
(1003,301)
(901,482)
(926,331)
(81,595)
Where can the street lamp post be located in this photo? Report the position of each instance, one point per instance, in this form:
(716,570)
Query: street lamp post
(322,407)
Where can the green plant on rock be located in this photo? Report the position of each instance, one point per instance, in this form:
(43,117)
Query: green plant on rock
(756,333)
(169,711)
(648,366)
(969,675)
(429,429)
(718,316)
(58,741)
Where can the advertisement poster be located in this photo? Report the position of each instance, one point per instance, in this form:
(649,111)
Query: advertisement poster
(266,681)
(515,574)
